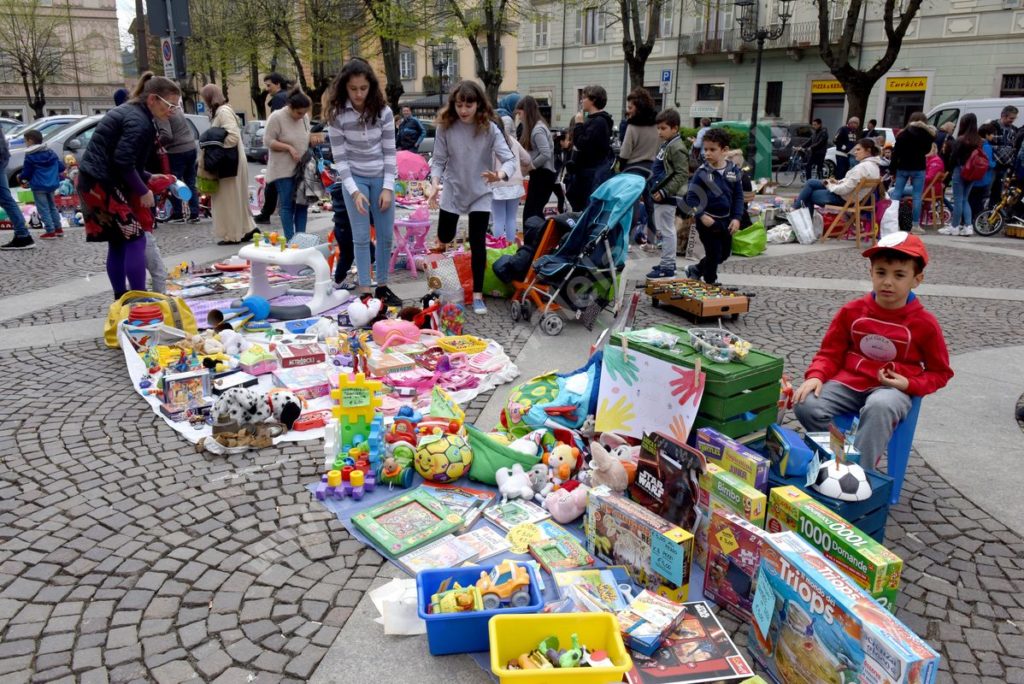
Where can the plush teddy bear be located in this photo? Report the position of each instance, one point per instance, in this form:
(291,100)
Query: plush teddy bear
(514,483)
(606,470)
(566,505)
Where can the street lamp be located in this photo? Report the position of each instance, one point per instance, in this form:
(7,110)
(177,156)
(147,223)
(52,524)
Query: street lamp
(441,55)
(750,32)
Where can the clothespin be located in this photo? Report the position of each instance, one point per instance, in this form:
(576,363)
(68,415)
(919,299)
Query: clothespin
(625,346)
(696,373)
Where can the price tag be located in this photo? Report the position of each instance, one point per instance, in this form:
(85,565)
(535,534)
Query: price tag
(837,442)
(763,605)
(727,540)
(813,466)
(355,397)
(667,558)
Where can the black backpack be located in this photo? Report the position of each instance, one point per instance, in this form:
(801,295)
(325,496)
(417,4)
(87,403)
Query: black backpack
(218,160)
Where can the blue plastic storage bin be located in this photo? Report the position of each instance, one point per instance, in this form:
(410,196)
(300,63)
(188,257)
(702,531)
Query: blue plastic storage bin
(464,632)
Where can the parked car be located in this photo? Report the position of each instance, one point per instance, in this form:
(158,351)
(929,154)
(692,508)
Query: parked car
(200,124)
(47,125)
(250,131)
(830,154)
(426,148)
(986,110)
(72,138)
(8,126)
(255,149)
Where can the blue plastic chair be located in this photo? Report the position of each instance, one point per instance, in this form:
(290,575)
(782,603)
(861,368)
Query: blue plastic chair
(898,451)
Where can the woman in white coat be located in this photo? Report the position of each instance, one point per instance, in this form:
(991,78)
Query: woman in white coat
(229,206)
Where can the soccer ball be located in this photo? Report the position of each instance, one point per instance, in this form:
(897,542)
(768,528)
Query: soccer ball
(443,458)
(843,481)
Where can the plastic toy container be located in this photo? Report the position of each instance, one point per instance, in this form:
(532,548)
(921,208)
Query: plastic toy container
(513,635)
(449,633)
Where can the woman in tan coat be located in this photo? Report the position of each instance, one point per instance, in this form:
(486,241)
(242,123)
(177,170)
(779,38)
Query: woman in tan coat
(230,204)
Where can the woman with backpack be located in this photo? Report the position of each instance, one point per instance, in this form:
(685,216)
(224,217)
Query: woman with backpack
(229,206)
(969,166)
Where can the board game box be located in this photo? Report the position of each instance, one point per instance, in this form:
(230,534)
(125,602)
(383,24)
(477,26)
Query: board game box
(734,551)
(666,479)
(740,460)
(515,512)
(722,490)
(647,622)
(294,355)
(468,503)
(406,522)
(698,650)
(813,625)
(622,532)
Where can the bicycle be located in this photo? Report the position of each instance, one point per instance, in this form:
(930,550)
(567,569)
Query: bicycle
(795,167)
(991,221)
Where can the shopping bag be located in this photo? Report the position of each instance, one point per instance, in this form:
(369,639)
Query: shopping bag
(750,241)
(175,310)
(493,285)
(451,272)
(803,227)
(890,222)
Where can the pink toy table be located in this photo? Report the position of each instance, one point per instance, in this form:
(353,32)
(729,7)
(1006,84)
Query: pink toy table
(410,240)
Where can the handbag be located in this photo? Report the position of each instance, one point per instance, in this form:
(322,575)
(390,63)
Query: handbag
(218,160)
(803,227)
(750,241)
(207,186)
(976,166)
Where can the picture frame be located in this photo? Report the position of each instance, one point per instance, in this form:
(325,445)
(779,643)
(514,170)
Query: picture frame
(406,522)
(184,390)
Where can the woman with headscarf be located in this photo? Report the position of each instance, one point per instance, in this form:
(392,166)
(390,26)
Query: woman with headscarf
(229,206)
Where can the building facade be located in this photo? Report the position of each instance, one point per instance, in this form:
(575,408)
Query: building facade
(954,49)
(91,76)
(425,65)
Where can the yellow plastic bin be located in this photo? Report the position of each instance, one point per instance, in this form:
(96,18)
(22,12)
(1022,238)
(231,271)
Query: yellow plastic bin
(513,635)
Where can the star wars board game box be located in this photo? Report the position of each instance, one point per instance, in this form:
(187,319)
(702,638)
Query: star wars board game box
(813,625)
(667,477)
(698,650)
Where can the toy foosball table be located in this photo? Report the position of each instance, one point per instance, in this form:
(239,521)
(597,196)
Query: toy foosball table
(697,299)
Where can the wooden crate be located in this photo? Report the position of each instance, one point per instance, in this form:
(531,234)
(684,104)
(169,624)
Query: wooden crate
(696,298)
(1014,232)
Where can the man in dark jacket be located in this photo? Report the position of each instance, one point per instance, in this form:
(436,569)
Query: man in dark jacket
(180,143)
(846,137)
(1004,151)
(908,162)
(592,139)
(410,132)
(816,148)
(22,238)
(276,85)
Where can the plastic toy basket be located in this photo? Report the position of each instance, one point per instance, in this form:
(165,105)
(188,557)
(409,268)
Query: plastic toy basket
(513,635)
(718,344)
(466,344)
(449,633)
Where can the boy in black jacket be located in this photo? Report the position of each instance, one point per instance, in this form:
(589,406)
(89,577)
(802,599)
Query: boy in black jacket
(716,197)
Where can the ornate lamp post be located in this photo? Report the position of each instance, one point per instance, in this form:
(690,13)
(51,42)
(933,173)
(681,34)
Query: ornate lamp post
(441,55)
(750,32)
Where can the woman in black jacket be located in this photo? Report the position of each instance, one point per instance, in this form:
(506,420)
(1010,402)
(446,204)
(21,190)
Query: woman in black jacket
(112,180)
(592,138)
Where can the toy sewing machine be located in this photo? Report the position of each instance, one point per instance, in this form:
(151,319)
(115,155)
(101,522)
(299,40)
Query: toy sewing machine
(323,296)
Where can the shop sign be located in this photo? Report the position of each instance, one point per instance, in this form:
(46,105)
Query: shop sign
(906,83)
(826,85)
(705,109)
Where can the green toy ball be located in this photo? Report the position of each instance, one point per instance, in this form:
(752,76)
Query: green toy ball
(443,458)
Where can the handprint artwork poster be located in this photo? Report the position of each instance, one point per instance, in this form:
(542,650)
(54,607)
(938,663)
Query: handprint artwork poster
(641,393)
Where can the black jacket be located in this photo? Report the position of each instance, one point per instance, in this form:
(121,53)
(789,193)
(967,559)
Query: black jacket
(119,147)
(845,140)
(912,146)
(593,140)
(818,144)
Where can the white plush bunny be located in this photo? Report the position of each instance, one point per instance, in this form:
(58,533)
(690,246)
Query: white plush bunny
(360,315)
(514,484)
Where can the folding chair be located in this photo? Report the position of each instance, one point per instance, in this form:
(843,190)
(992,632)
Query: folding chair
(933,201)
(850,217)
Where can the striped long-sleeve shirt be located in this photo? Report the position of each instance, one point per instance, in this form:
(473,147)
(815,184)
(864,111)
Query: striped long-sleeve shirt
(363,149)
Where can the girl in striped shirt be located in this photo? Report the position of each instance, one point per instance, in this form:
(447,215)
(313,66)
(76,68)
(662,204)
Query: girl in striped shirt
(362,134)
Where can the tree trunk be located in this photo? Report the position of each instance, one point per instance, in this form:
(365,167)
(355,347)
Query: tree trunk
(492,87)
(257,93)
(636,72)
(392,72)
(857,94)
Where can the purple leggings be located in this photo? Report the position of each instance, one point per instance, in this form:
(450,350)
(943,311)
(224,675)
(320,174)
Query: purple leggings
(127,260)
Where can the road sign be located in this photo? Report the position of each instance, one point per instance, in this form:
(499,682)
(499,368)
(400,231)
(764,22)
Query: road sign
(156,12)
(666,75)
(666,87)
(167,53)
(200,107)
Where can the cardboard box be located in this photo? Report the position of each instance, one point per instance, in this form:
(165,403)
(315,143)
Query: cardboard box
(295,355)
(656,553)
(307,382)
(700,530)
(740,460)
(873,567)
(381,363)
(732,493)
(813,624)
(648,621)
(787,451)
(734,553)
(665,479)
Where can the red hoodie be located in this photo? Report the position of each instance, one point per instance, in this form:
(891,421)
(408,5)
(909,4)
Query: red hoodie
(864,338)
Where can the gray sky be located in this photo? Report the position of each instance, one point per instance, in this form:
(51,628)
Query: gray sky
(125,14)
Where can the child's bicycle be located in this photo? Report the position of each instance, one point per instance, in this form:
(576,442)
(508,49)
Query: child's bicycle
(993,220)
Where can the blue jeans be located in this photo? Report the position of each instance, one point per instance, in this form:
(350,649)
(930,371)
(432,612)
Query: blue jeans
(47,209)
(293,216)
(961,207)
(383,223)
(11,207)
(916,179)
(183,166)
(505,213)
(814,193)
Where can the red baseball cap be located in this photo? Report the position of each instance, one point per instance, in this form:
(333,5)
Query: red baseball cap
(902,242)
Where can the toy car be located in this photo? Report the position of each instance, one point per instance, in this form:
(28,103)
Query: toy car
(457,600)
(507,582)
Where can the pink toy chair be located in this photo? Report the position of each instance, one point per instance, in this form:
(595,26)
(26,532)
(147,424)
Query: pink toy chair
(410,238)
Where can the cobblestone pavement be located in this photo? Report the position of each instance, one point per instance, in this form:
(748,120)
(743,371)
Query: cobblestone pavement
(127,556)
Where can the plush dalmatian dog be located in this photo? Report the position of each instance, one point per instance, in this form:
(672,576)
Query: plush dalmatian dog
(245,406)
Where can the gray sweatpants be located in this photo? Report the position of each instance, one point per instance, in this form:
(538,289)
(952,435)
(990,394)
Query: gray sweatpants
(155,265)
(665,222)
(880,410)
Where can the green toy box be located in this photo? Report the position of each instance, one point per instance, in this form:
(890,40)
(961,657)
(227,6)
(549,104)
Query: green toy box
(724,491)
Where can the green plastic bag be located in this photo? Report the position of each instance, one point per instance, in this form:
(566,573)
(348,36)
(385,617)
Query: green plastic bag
(751,241)
(489,455)
(493,286)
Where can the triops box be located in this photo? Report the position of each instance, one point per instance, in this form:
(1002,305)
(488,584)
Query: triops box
(813,624)
(872,566)
(656,553)
(741,461)
(734,552)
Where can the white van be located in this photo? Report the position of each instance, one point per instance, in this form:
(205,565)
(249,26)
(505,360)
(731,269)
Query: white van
(986,110)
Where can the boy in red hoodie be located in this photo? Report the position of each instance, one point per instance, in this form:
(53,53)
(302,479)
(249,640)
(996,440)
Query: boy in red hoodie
(879,351)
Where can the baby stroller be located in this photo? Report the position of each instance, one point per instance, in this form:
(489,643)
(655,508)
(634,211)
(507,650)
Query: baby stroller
(586,267)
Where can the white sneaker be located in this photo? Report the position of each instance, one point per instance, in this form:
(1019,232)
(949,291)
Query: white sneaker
(949,230)
(966,230)
(917,229)
(479,307)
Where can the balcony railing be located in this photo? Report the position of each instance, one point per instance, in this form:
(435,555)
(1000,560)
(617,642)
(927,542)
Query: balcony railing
(801,35)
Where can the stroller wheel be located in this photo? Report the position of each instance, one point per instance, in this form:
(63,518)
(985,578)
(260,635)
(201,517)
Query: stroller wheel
(517,311)
(552,324)
(526,311)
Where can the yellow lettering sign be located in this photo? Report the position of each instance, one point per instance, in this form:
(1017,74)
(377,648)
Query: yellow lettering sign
(826,86)
(906,83)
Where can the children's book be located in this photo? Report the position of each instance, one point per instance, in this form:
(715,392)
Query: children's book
(698,650)
(469,503)
(611,585)
(447,552)
(485,541)
(508,515)
(562,551)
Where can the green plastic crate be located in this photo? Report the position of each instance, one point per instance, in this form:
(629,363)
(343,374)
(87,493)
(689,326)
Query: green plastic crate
(724,408)
(739,425)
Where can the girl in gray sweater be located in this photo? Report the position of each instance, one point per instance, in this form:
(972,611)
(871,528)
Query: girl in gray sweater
(536,139)
(465,144)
